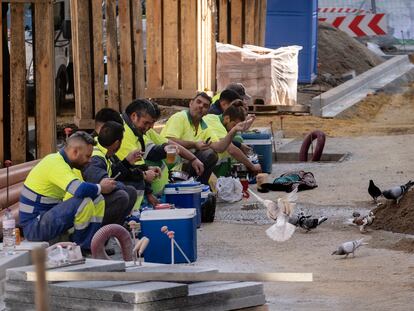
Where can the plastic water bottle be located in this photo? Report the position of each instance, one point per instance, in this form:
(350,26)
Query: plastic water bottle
(9,236)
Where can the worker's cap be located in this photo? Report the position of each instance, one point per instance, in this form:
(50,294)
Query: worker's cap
(229,95)
(239,89)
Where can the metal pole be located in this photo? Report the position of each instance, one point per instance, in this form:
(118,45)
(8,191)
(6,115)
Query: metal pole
(373,7)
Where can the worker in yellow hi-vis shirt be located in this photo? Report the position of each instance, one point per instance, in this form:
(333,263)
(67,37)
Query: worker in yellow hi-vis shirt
(188,129)
(43,213)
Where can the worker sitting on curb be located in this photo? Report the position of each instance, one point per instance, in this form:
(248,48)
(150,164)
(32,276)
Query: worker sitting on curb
(239,89)
(139,117)
(221,125)
(188,129)
(120,202)
(43,213)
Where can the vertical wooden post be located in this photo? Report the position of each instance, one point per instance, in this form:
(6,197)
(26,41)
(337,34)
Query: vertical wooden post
(139,69)
(41,288)
(249,15)
(223,22)
(98,55)
(45,77)
(82,63)
(126,84)
(112,54)
(188,44)
(262,20)
(1,88)
(236,27)
(170,44)
(154,44)
(18,109)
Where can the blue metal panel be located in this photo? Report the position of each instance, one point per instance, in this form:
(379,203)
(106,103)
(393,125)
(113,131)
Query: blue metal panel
(295,22)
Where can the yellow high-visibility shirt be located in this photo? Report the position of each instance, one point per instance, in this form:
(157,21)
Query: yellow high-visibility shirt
(51,176)
(215,123)
(152,136)
(129,143)
(180,126)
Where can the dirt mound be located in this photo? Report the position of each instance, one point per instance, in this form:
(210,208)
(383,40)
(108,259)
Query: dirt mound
(396,218)
(339,53)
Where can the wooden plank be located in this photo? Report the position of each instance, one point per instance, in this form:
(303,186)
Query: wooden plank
(249,15)
(212,52)
(18,111)
(236,26)
(200,45)
(170,44)
(188,44)
(154,44)
(223,21)
(126,85)
(44,74)
(262,22)
(139,68)
(112,55)
(256,22)
(82,59)
(168,93)
(2,133)
(98,55)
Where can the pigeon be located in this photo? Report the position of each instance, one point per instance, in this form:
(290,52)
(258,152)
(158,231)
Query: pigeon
(397,192)
(362,221)
(306,222)
(349,248)
(374,191)
(280,212)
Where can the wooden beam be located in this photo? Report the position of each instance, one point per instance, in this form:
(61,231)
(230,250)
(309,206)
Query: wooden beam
(44,78)
(18,109)
(82,58)
(126,84)
(170,44)
(262,22)
(236,26)
(154,44)
(98,56)
(257,22)
(112,54)
(163,93)
(249,19)
(41,286)
(30,1)
(2,133)
(188,44)
(223,21)
(139,68)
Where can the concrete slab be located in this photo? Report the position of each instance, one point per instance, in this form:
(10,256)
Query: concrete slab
(19,274)
(172,268)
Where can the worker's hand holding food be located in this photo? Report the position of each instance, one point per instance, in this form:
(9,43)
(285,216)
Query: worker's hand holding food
(134,156)
(107,185)
(198,166)
(150,175)
(156,169)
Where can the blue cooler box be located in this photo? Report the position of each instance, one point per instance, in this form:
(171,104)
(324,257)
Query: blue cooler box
(182,222)
(185,195)
(204,193)
(262,145)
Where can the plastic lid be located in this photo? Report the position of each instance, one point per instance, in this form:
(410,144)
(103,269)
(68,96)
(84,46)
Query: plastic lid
(168,214)
(183,185)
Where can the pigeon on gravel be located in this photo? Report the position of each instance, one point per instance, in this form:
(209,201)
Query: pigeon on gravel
(397,192)
(374,191)
(362,221)
(306,222)
(349,248)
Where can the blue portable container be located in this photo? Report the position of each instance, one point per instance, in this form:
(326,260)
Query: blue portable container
(185,195)
(295,23)
(182,221)
(204,193)
(262,145)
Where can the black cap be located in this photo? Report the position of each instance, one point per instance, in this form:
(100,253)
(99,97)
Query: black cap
(229,95)
(239,89)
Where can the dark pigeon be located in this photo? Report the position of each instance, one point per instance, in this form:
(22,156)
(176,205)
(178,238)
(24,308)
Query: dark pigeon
(374,191)
(397,192)
(306,222)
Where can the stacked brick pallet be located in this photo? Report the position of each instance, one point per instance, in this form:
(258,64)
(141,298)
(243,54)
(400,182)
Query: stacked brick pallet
(125,295)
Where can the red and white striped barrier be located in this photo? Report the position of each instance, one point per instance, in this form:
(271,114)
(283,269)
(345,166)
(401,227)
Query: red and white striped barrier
(357,25)
(341,10)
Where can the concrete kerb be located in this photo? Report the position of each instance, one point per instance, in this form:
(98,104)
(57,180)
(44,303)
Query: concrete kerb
(336,100)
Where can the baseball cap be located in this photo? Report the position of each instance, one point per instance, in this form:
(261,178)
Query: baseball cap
(239,89)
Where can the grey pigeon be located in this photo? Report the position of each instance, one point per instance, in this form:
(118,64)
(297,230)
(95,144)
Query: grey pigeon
(397,192)
(306,222)
(348,248)
(374,191)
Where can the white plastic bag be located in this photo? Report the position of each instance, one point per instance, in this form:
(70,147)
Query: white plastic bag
(229,189)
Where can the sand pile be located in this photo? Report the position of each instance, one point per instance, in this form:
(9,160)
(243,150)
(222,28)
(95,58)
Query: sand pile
(396,218)
(339,53)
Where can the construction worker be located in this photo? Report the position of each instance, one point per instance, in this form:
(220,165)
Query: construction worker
(221,125)
(188,129)
(120,202)
(139,118)
(43,213)
(239,89)
(226,97)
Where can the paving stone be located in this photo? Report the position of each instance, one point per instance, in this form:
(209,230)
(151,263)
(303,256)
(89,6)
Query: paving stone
(171,268)
(19,274)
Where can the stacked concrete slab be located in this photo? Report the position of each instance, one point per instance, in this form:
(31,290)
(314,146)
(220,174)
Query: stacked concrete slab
(125,295)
